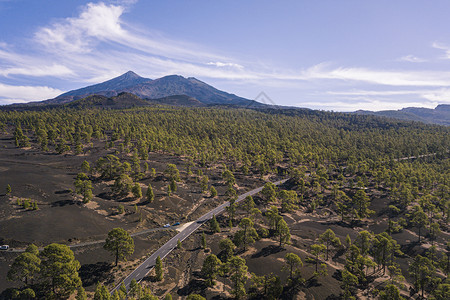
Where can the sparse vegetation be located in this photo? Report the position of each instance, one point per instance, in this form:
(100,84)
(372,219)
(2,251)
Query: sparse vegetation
(353,219)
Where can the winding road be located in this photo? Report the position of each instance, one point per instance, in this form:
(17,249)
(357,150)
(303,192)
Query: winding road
(141,271)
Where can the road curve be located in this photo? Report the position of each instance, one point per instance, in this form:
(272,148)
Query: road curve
(140,272)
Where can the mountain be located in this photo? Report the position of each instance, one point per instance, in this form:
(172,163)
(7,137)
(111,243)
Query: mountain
(123,100)
(440,115)
(108,88)
(178,100)
(158,89)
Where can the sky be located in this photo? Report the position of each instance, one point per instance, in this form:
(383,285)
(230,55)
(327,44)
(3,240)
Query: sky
(321,54)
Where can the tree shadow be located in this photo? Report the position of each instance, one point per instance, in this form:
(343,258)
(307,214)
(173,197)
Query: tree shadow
(312,282)
(90,274)
(409,248)
(63,192)
(337,275)
(105,195)
(195,286)
(7,294)
(62,203)
(269,250)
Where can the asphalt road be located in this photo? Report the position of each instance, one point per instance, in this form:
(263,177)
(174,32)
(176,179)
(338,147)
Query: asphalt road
(140,272)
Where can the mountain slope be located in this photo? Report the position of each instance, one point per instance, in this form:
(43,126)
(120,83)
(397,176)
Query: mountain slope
(108,88)
(123,100)
(147,88)
(439,115)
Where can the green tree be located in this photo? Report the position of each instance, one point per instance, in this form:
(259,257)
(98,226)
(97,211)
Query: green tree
(364,241)
(442,292)
(267,286)
(159,271)
(195,297)
(390,292)
(288,200)
(317,251)
(214,225)
(26,266)
(248,204)
(238,275)
(329,239)
(422,271)
(109,166)
(27,293)
(227,247)
(85,167)
(59,269)
(361,201)
(274,217)
(120,243)
(211,268)
(269,193)
(349,282)
(384,249)
(122,291)
(204,183)
(8,189)
(135,289)
(101,292)
(168,297)
(246,235)
(173,186)
(213,192)
(136,190)
(293,263)
(122,185)
(419,218)
(81,294)
(83,186)
(228,177)
(283,233)
(150,195)
(172,172)
(203,241)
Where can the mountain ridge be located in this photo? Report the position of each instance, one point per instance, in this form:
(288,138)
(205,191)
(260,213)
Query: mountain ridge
(151,89)
(439,115)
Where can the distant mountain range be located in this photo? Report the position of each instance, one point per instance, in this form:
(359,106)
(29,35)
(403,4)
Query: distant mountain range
(131,90)
(439,115)
(189,91)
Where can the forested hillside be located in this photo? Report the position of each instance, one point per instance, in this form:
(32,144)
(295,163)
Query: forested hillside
(364,214)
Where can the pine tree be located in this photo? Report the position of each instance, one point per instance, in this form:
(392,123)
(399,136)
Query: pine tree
(211,268)
(136,190)
(120,243)
(203,242)
(213,192)
(214,225)
(150,195)
(159,272)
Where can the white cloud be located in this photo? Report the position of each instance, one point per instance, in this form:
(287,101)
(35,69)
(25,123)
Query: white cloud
(53,70)
(16,94)
(98,44)
(440,46)
(383,77)
(412,58)
(363,103)
(96,21)
(222,64)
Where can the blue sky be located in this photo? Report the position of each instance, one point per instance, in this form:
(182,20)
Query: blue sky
(330,55)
